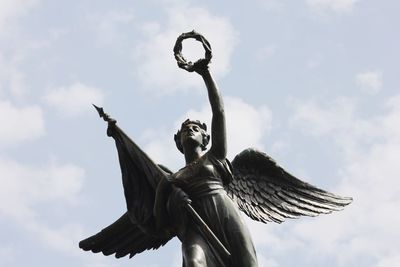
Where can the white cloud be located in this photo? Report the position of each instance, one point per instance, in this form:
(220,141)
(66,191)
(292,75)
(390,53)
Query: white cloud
(311,117)
(246,127)
(25,188)
(273,5)
(108,25)
(338,6)
(11,9)
(314,61)
(389,261)
(336,118)
(265,262)
(12,78)
(15,54)
(7,255)
(63,238)
(265,52)
(20,124)
(370,81)
(75,99)
(158,69)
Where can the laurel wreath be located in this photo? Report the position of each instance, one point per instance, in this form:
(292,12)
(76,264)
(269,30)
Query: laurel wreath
(188,65)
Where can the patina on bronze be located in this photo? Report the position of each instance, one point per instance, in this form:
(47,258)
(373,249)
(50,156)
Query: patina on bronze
(200,203)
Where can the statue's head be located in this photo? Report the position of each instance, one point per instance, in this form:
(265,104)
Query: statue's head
(192,133)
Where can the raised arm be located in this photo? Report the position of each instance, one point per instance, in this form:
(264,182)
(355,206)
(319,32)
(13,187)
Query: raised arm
(218,128)
(218,125)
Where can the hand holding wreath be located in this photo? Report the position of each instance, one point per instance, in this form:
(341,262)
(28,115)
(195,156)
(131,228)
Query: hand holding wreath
(201,65)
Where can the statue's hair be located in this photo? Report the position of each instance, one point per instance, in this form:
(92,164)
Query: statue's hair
(203,127)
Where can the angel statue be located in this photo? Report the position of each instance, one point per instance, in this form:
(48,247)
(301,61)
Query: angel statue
(200,203)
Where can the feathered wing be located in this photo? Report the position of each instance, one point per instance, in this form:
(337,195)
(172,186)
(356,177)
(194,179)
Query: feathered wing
(122,238)
(134,232)
(266,192)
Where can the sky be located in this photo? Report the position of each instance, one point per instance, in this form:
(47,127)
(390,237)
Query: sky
(313,83)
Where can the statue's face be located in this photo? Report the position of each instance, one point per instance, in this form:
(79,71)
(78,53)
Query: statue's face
(192,134)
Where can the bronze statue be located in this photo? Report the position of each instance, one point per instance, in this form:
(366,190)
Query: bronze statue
(200,203)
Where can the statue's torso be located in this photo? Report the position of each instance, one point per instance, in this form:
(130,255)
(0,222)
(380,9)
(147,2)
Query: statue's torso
(202,181)
(198,178)
(199,168)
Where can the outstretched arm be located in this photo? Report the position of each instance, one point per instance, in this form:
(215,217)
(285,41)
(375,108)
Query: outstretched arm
(218,127)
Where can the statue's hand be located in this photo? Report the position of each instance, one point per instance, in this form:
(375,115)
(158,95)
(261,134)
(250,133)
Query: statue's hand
(176,204)
(201,66)
(179,197)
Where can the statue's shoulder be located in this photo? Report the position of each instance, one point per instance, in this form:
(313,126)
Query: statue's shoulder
(223,167)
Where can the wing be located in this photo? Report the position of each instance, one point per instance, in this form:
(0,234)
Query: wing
(122,238)
(266,192)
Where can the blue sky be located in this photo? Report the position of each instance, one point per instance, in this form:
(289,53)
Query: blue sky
(313,83)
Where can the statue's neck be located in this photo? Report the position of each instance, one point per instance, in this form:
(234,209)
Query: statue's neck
(192,155)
